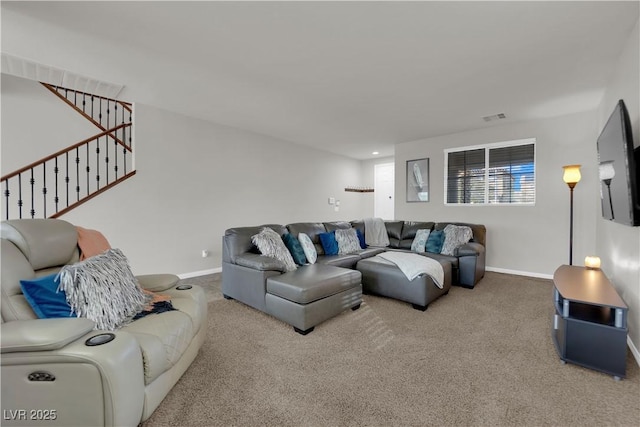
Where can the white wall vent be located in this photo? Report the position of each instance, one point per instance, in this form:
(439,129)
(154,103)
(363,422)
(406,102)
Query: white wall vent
(32,70)
(498,116)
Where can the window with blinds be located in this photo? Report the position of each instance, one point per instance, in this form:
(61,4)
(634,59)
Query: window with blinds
(502,173)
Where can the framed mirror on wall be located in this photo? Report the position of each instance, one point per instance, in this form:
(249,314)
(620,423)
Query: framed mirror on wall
(418,180)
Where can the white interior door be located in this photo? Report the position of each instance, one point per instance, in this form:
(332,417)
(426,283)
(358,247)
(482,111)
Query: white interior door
(384,187)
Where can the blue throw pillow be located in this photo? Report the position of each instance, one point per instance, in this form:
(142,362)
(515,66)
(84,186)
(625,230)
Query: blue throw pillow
(435,241)
(44,298)
(295,248)
(329,243)
(363,244)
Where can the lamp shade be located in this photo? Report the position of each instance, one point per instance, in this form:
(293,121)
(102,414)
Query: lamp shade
(571,174)
(606,170)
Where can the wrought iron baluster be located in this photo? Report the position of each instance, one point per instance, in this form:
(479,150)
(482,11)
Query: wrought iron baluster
(20,202)
(100,113)
(77,174)
(44,190)
(98,163)
(32,182)
(6,197)
(88,168)
(115,157)
(55,171)
(66,177)
(84,101)
(124,153)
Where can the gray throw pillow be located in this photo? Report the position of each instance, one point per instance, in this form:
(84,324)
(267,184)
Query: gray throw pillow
(348,242)
(103,289)
(454,237)
(270,244)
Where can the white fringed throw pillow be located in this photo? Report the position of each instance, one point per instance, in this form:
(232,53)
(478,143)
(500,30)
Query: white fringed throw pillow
(103,289)
(454,237)
(348,242)
(270,244)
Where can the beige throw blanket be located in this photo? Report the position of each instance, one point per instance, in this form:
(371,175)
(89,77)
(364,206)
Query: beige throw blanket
(413,265)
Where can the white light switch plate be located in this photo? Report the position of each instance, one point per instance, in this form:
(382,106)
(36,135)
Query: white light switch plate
(332,200)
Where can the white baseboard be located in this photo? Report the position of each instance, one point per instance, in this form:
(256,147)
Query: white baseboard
(519,273)
(634,350)
(200,273)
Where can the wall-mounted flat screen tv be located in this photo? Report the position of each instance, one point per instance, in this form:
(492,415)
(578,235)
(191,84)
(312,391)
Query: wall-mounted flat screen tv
(618,170)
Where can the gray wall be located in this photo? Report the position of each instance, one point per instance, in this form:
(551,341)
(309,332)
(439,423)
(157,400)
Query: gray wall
(617,245)
(520,239)
(194,179)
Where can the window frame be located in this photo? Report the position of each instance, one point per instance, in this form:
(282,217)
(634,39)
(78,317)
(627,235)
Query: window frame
(487,148)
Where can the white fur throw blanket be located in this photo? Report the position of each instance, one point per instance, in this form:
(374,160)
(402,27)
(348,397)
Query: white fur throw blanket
(413,265)
(375,233)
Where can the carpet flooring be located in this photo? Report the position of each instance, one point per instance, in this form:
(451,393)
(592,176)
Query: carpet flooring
(480,357)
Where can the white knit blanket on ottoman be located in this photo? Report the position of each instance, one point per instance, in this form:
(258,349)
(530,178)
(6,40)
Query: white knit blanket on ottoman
(413,265)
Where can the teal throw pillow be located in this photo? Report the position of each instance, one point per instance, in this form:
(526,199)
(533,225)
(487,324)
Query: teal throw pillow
(44,298)
(295,248)
(435,241)
(329,243)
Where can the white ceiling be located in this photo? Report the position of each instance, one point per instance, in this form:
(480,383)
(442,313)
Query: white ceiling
(356,77)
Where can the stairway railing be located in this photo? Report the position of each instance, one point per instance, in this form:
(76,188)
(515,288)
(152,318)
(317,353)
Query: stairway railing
(69,177)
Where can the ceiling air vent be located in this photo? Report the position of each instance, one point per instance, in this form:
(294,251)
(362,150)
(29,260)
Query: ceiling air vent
(498,116)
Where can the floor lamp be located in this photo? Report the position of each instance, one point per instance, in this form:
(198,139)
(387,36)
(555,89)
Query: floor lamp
(571,176)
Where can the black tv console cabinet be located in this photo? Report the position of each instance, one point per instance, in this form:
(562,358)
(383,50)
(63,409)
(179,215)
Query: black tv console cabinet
(590,321)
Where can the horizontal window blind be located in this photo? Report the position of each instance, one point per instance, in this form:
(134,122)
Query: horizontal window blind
(465,177)
(511,178)
(491,174)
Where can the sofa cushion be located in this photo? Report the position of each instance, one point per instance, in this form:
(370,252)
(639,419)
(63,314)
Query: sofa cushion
(394,231)
(312,282)
(455,236)
(337,225)
(295,248)
(329,243)
(308,247)
(103,289)
(435,241)
(419,242)
(346,260)
(163,338)
(347,239)
(479,230)
(410,228)
(270,244)
(311,229)
(44,297)
(237,240)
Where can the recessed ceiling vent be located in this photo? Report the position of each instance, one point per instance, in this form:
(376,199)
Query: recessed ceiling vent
(498,116)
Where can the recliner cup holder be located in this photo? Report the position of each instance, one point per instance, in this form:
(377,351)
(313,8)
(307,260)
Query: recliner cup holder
(183,287)
(100,339)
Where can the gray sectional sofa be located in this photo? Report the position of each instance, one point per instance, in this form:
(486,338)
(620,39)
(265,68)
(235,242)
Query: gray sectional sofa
(314,293)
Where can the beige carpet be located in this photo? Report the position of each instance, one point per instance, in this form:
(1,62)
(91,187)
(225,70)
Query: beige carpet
(475,357)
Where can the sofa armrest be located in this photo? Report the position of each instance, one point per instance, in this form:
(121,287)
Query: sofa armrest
(157,282)
(42,334)
(260,262)
(470,249)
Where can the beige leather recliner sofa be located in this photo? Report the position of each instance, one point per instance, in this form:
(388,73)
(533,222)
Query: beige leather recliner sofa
(52,375)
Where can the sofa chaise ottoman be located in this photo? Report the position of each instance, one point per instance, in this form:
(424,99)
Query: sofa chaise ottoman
(312,294)
(383,278)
